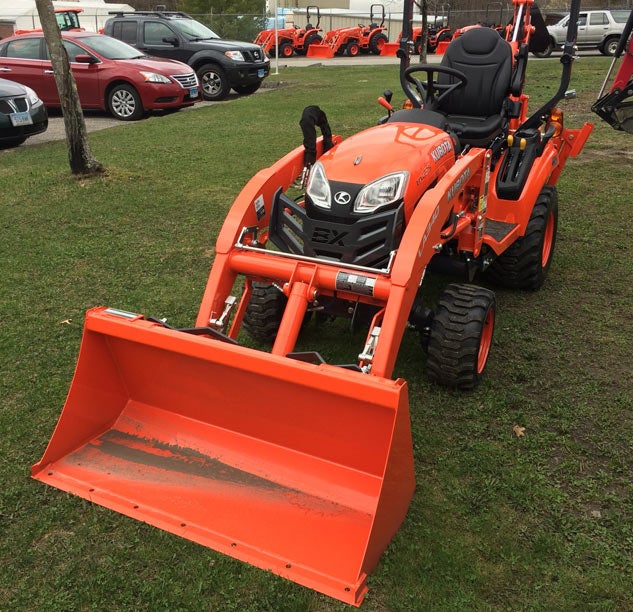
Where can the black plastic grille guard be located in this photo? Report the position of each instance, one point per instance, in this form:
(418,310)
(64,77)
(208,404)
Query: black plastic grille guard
(367,241)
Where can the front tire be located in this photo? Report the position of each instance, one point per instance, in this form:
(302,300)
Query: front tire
(215,85)
(124,103)
(460,336)
(264,312)
(352,49)
(524,265)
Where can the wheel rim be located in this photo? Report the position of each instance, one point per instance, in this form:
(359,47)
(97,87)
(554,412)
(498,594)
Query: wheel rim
(286,51)
(380,44)
(485,340)
(123,103)
(211,83)
(548,240)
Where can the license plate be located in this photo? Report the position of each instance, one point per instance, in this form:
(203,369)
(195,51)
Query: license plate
(18,119)
(261,73)
(193,92)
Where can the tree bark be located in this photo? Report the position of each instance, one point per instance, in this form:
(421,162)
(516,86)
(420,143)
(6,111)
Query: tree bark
(80,155)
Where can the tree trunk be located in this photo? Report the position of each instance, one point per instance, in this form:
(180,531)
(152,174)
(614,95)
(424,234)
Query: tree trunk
(80,155)
(425,31)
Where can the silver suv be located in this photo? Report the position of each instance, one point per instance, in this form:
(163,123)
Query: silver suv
(596,30)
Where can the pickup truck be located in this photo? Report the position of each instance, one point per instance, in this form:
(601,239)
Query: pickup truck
(599,29)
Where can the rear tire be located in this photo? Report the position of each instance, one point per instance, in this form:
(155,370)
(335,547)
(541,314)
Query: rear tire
(215,85)
(524,265)
(610,46)
(264,312)
(313,39)
(124,103)
(377,43)
(460,336)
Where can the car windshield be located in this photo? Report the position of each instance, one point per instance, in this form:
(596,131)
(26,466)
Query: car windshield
(110,48)
(193,30)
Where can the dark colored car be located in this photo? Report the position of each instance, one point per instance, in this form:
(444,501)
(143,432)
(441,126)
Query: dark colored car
(110,75)
(221,65)
(22,114)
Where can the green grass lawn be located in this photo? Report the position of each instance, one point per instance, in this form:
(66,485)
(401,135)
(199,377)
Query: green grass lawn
(538,522)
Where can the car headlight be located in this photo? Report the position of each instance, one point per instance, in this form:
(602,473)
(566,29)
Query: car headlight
(318,187)
(384,191)
(32,97)
(235,55)
(154,77)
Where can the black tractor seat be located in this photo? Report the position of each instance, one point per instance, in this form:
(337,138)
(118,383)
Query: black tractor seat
(477,112)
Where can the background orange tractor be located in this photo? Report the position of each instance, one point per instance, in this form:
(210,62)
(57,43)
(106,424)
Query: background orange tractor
(354,40)
(291,40)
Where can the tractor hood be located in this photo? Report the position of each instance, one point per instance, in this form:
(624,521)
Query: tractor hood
(423,151)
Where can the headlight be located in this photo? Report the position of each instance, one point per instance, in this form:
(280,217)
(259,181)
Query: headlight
(32,97)
(153,77)
(318,187)
(384,191)
(235,55)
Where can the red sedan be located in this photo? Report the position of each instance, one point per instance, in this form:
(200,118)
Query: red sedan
(110,75)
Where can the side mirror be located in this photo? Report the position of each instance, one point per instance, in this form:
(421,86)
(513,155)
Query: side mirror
(171,40)
(85,59)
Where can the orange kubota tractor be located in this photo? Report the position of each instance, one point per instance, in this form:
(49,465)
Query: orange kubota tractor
(616,106)
(291,40)
(354,40)
(67,20)
(274,457)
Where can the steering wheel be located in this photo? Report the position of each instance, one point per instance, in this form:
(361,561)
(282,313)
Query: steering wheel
(430,91)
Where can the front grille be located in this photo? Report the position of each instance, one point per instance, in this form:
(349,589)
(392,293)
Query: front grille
(256,55)
(13,105)
(187,81)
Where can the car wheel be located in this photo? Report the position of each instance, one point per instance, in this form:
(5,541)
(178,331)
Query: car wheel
(247,90)
(124,103)
(610,46)
(215,85)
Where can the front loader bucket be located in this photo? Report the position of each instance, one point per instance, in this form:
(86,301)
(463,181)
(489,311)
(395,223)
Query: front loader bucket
(324,51)
(301,469)
(390,48)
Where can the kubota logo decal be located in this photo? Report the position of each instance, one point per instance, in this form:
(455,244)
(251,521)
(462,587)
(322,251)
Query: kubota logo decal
(441,150)
(342,197)
(456,187)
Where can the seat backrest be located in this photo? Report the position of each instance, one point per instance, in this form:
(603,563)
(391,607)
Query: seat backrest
(486,59)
